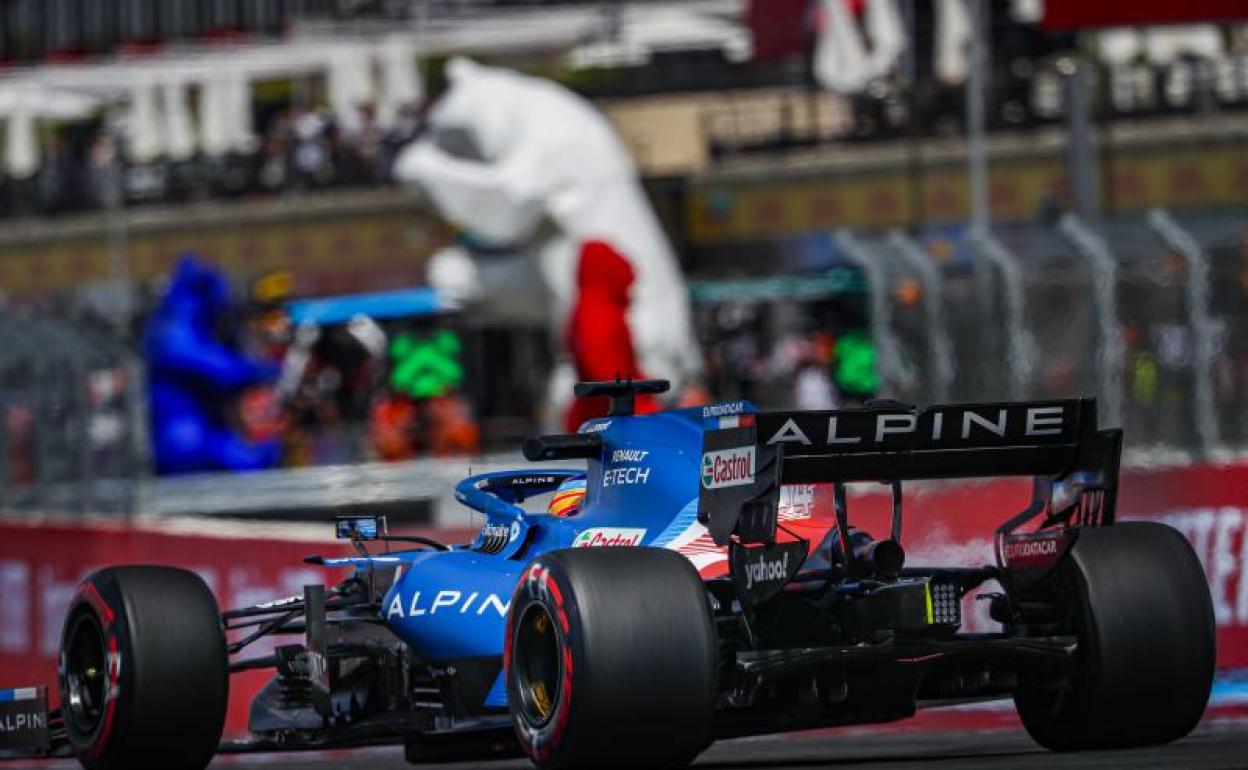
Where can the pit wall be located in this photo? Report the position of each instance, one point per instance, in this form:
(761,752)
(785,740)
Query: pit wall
(946,523)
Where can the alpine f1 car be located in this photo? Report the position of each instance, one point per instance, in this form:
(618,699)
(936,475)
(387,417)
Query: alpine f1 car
(669,594)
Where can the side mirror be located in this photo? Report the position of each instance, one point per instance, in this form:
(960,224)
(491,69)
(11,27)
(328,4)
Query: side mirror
(358,528)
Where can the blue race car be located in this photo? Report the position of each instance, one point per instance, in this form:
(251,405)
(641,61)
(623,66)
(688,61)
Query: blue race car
(678,589)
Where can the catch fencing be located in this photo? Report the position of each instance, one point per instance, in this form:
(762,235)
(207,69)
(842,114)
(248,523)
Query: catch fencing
(1149,314)
(73,433)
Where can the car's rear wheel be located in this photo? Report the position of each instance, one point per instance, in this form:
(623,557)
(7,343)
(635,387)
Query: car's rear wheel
(1136,597)
(144,671)
(611,660)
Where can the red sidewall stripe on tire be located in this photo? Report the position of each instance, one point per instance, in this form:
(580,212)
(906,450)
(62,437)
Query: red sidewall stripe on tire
(542,742)
(89,593)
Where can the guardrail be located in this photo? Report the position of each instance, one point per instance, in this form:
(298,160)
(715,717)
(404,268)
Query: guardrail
(413,492)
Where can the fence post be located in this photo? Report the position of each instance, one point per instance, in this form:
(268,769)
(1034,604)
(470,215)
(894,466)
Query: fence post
(976,100)
(39,434)
(1021,349)
(1183,243)
(887,350)
(80,402)
(139,444)
(939,345)
(5,472)
(1081,154)
(1093,248)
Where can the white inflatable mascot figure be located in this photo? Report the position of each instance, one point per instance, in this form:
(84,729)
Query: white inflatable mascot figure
(522,162)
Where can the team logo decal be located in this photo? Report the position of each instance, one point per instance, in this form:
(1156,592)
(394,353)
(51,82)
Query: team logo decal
(600,537)
(728,467)
(760,573)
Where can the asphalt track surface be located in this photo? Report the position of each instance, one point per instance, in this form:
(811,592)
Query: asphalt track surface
(1215,745)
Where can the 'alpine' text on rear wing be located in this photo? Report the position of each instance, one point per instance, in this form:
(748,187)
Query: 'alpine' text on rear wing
(744,467)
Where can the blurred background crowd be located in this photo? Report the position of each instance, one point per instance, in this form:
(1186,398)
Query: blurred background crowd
(242,235)
(306,114)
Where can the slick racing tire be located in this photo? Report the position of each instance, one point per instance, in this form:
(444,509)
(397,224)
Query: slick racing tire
(1136,597)
(611,660)
(144,673)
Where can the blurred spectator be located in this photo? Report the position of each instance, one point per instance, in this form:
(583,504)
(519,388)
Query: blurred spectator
(297,149)
(195,379)
(422,411)
(310,157)
(393,424)
(452,430)
(273,166)
(812,383)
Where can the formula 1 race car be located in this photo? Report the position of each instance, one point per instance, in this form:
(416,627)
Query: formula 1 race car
(670,594)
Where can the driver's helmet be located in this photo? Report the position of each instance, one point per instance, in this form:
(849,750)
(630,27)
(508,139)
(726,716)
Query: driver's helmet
(568,497)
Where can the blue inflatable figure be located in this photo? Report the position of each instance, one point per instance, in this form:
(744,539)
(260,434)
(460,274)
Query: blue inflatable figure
(193,377)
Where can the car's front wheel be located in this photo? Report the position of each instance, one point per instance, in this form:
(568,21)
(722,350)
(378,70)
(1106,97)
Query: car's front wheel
(611,660)
(144,671)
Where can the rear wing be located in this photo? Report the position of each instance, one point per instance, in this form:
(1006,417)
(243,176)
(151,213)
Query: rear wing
(744,467)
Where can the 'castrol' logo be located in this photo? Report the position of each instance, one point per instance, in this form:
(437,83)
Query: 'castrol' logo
(600,537)
(728,467)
